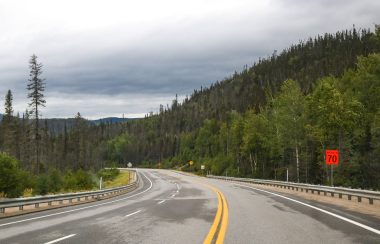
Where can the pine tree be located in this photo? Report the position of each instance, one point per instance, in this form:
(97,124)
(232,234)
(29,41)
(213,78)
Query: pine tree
(8,106)
(36,87)
(8,124)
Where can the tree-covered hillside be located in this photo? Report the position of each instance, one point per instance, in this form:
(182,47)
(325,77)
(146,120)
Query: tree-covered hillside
(289,107)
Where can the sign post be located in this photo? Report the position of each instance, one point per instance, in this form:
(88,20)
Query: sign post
(332,158)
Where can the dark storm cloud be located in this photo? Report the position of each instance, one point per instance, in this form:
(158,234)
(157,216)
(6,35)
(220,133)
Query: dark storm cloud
(130,62)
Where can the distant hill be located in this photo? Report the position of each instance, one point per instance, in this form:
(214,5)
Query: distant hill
(111,120)
(56,125)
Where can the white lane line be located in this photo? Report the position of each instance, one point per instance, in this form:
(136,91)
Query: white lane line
(77,209)
(60,239)
(319,209)
(161,201)
(138,211)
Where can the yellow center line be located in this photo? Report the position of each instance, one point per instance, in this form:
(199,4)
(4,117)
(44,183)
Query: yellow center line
(215,224)
(221,219)
(223,226)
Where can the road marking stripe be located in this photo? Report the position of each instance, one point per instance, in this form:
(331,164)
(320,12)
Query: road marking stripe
(77,209)
(138,211)
(217,218)
(60,239)
(161,201)
(319,209)
(223,226)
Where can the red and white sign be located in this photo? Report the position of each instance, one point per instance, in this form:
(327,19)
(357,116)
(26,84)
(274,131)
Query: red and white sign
(332,157)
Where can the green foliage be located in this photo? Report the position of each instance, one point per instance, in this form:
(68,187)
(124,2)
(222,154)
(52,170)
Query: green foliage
(117,148)
(108,174)
(78,180)
(12,179)
(50,182)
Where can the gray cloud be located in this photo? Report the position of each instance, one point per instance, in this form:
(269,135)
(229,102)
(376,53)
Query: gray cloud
(131,62)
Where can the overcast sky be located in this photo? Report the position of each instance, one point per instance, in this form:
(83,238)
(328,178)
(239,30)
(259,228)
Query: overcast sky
(106,58)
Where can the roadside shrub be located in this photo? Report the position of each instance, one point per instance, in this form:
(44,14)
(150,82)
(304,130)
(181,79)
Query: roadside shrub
(78,180)
(42,185)
(55,180)
(108,174)
(11,177)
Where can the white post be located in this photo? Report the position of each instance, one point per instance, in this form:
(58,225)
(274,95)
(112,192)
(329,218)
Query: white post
(287,175)
(332,175)
(100,183)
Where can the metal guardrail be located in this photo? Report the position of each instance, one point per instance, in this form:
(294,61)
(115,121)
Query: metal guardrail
(36,201)
(340,191)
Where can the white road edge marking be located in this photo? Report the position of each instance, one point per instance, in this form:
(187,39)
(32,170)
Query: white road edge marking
(319,209)
(138,211)
(60,239)
(77,209)
(173,195)
(161,201)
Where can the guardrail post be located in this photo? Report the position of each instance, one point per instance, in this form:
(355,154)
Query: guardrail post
(349,197)
(359,199)
(78,199)
(319,192)
(2,210)
(49,203)
(36,205)
(332,194)
(21,207)
(86,198)
(370,200)
(307,190)
(312,191)
(325,193)
(70,200)
(340,195)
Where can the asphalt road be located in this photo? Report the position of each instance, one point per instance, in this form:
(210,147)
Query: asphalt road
(169,207)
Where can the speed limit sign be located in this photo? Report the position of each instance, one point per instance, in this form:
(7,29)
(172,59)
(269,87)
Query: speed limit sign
(332,157)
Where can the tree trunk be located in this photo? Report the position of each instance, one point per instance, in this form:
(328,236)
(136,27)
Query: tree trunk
(251,163)
(298,164)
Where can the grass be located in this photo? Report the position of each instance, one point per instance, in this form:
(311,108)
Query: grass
(120,180)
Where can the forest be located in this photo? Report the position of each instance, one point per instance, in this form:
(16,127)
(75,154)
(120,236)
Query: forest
(280,114)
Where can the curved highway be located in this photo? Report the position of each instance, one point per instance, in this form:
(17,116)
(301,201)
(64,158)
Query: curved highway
(170,207)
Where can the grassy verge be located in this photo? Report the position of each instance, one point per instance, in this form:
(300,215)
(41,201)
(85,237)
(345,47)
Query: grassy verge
(120,180)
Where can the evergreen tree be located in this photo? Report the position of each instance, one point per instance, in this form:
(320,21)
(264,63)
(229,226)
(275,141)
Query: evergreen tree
(8,106)
(36,87)
(8,125)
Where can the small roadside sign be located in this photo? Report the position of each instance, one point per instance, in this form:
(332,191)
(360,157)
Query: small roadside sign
(202,167)
(191,162)
(332,157)
(129,165)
